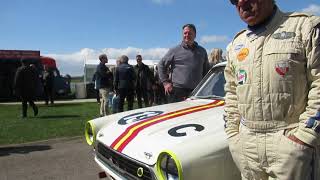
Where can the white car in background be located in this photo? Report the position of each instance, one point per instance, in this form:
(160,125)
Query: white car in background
(184,140)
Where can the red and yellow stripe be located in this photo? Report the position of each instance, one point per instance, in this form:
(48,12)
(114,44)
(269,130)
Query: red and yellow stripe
(132,131)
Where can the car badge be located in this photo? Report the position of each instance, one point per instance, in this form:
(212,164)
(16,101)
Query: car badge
(284,35)
(244,52)
(241,76)
(148,155)
(282,68)
(100,135)
(140,172)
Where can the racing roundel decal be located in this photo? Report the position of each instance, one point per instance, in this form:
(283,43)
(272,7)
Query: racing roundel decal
(138,117)
(241,76)
(244,52)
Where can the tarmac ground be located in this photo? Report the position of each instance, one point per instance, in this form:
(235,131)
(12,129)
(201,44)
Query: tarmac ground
(56,159)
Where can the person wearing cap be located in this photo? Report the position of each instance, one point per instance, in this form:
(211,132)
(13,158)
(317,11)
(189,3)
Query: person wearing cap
(183,66)
(104,80)
(25,85)
(273,93)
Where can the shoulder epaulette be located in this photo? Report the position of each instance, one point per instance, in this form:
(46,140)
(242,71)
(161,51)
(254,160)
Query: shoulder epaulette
(297,14)
(238,34)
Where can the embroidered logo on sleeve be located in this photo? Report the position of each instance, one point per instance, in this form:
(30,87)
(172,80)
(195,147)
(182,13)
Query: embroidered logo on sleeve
(241,76)
(282,68)
(284,35)
(314,123)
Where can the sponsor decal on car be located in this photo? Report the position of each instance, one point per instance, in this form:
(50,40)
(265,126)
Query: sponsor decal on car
(132,131)
(174,131)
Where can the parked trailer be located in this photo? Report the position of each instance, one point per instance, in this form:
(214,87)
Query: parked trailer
(10,60)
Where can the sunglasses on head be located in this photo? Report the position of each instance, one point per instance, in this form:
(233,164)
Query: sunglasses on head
(234,2)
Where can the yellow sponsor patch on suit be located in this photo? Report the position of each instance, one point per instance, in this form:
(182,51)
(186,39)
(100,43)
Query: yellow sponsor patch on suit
(244,52)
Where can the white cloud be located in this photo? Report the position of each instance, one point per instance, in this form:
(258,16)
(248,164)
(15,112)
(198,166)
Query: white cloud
(213,39)
(73,63)
(312,9)
(162,1)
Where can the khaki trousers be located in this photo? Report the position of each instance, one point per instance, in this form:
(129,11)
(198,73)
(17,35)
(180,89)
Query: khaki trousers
(104,101)
(272,156)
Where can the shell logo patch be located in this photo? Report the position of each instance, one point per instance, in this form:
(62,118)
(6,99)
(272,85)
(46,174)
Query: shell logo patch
(244,52)
(241,76)
(282,68)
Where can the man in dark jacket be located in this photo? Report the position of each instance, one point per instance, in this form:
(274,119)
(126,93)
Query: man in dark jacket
(104,80)
(48,85)
(25,86)
(125,83)
(144,83)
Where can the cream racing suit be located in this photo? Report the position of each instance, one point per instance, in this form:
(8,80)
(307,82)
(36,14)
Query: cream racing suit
(273,78)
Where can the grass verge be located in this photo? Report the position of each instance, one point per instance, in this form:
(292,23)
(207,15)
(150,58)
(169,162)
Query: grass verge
(59,120)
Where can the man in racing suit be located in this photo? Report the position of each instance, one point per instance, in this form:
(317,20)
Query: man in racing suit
(273,93)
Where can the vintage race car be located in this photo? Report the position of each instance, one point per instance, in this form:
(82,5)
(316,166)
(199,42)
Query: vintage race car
(183,140)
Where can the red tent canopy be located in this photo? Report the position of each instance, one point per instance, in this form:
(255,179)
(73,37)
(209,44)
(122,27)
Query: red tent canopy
(48,61)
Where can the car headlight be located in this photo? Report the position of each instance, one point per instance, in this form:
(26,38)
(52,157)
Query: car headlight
(168,166)
(90,133)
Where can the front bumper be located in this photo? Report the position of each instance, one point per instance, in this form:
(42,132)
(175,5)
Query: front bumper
(120,166)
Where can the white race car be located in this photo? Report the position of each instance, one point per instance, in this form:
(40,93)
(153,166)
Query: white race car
(184,140)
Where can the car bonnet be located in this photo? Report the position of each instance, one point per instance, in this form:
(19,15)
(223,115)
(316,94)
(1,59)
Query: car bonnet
(142,134)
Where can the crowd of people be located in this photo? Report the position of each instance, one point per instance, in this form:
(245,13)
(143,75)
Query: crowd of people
(172,80)
(127,82)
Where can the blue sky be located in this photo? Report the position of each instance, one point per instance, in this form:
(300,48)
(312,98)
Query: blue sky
(74,30)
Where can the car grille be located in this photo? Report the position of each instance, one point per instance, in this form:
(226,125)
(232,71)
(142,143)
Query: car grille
(122,164)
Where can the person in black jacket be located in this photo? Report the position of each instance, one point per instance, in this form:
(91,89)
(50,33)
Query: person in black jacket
(48,85)
(144,83)
(125,83)
(25,86)
(96,90)
(104,80)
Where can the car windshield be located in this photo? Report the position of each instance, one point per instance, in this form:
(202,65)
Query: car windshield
(212,86)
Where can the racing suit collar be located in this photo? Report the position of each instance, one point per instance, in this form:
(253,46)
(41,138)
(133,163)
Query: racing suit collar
(265,22)
(273,20)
